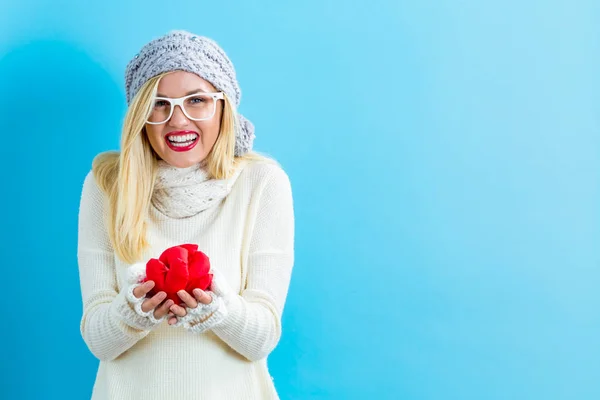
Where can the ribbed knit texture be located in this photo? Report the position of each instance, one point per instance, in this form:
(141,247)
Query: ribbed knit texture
(249,237)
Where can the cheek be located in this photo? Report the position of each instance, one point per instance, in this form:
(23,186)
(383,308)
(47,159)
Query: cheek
(154,136)
(210,129)
(214,124)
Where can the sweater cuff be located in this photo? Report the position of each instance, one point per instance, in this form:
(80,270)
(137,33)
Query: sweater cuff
(235,315)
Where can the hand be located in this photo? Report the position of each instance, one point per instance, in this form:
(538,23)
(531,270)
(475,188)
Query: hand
(205,309)
(200,296)
(153,303)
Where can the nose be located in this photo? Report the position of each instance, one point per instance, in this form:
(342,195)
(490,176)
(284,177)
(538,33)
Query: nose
(178,119)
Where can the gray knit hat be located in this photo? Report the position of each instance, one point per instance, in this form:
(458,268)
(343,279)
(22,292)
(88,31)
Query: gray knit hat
(184,51)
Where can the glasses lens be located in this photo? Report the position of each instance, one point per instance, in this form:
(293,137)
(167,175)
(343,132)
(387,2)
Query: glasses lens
(160,112)
(200,106)
(197,107)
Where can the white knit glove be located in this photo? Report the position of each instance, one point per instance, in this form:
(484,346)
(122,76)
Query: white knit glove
(135,276)
(207,316)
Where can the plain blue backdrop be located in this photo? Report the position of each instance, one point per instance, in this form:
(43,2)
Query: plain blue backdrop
(444,157)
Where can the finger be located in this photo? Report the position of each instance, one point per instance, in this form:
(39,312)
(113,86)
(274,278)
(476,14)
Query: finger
(163,309)
(151,303)
(173,321)
(143,289)
(178,310)
(202,296)
(187,299)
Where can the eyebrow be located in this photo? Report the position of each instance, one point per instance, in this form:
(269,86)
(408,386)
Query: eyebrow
(187,94)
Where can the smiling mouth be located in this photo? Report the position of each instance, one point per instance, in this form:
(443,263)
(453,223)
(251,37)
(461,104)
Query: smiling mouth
(182,141)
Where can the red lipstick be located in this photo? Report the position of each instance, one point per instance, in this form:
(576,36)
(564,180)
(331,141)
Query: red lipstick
(182,140)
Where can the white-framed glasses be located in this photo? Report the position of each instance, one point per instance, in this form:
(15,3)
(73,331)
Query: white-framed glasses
(197,107)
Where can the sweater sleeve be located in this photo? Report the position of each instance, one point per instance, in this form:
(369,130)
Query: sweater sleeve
(253,324)
(109,325)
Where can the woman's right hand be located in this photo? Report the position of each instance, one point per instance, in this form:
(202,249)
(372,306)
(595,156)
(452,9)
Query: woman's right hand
(153,303)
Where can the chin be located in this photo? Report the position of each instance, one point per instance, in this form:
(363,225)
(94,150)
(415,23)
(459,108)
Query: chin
(181,161)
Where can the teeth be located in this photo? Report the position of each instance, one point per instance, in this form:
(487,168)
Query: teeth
(182,138)
(177,144)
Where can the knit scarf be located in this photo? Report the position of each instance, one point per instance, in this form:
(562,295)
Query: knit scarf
(184,192)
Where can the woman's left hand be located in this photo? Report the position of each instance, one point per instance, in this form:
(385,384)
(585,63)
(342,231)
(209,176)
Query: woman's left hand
(205,309)
(200,296)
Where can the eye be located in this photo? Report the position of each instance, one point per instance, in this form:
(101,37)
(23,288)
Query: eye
(197,99)
(160,103)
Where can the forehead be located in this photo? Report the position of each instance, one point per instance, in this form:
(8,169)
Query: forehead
(180,83)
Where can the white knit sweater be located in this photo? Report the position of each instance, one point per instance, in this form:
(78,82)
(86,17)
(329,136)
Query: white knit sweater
(249,237)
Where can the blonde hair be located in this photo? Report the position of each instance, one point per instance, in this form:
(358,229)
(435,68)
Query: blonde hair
(127,177)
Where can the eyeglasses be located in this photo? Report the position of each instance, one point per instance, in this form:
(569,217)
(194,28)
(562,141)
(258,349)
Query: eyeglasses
(197,107)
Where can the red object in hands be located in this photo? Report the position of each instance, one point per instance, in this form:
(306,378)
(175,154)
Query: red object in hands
(179,267)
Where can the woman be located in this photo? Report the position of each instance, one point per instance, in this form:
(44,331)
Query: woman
(185,175)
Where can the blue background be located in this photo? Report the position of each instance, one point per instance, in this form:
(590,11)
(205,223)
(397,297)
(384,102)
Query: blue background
(445,163)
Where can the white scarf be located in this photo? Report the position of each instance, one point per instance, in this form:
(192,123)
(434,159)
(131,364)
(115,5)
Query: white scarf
(184,192)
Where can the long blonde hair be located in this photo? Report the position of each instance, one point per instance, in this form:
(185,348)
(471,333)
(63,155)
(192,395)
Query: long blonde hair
(127,177)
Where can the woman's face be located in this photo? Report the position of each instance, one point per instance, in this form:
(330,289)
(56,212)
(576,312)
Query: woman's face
(180,141)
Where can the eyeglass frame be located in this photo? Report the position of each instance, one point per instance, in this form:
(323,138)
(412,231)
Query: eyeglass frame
(179,102)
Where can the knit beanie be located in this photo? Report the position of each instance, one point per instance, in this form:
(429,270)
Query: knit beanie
(183,51)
